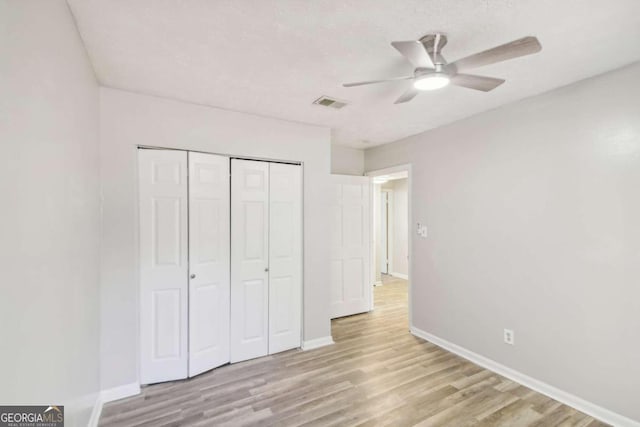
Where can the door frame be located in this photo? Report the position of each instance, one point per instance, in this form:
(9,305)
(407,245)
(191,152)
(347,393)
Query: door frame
(388,216)
(386,171)
(135,158)
(383,240)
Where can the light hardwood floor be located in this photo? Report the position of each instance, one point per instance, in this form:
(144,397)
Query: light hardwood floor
(376,374)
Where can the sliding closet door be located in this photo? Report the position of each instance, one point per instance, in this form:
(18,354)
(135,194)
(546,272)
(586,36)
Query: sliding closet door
(163,265)
(249,259)
(285,256)
(209,278)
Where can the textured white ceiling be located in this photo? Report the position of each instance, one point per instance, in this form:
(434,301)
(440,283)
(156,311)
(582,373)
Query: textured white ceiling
(274,57)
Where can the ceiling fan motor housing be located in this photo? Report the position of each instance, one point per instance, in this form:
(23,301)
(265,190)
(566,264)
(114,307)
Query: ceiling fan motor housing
(434,43)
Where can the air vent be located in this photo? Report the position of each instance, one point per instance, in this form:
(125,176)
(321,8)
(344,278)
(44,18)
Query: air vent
(325,101)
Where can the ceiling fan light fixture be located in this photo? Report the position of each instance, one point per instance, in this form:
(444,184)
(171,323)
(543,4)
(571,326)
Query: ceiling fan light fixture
(431,81)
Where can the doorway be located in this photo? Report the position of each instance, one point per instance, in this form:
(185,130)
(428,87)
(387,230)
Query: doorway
(391,226)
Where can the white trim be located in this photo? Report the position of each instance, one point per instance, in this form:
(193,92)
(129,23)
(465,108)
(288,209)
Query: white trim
(116,393)
(561,396)
(400,275)
(386,225)
(78,407)
(109,395)
(374,242)
(95,413)
(317,343)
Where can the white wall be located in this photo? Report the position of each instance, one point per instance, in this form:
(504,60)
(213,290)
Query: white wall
(398,232)
(127,120)
(49,187)
(400,262)
(398,218)
(346,160)
(533,223)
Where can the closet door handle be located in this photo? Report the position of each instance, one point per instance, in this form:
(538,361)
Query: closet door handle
(266,269)
(193,276)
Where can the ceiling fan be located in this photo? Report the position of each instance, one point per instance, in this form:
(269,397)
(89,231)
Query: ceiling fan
(433,72)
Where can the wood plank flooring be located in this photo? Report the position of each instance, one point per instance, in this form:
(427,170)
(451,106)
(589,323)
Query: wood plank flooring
(377,374)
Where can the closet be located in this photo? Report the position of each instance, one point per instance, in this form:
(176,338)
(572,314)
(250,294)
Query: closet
(220,261)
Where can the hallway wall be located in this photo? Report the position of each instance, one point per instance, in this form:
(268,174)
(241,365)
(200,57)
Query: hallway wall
(400,264)
(346,160)
(398,227)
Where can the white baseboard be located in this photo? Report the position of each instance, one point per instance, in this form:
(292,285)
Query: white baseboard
(400,275)
(95,413)
(561,396)
(317,343)
(79,409)
(109,395)
(116,393)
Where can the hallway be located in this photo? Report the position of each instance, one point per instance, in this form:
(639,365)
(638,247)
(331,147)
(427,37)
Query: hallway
(377,373)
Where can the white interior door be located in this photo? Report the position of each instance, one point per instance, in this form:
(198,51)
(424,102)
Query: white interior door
(209,262)
(163,265)
(249,259)
(351,240)
(285,256)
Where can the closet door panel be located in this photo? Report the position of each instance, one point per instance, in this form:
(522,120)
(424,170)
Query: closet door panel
(285,257)
(163,265)
(249,259)
(209,262)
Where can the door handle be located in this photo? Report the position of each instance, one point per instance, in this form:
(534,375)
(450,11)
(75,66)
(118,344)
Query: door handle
(193,276)
(266,269)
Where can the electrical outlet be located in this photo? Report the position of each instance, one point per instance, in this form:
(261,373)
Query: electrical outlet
(509,337)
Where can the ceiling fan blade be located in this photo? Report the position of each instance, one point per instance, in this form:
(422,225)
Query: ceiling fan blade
(407,96)
(482,83)
(514,49)
(376,81)
(415,52)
